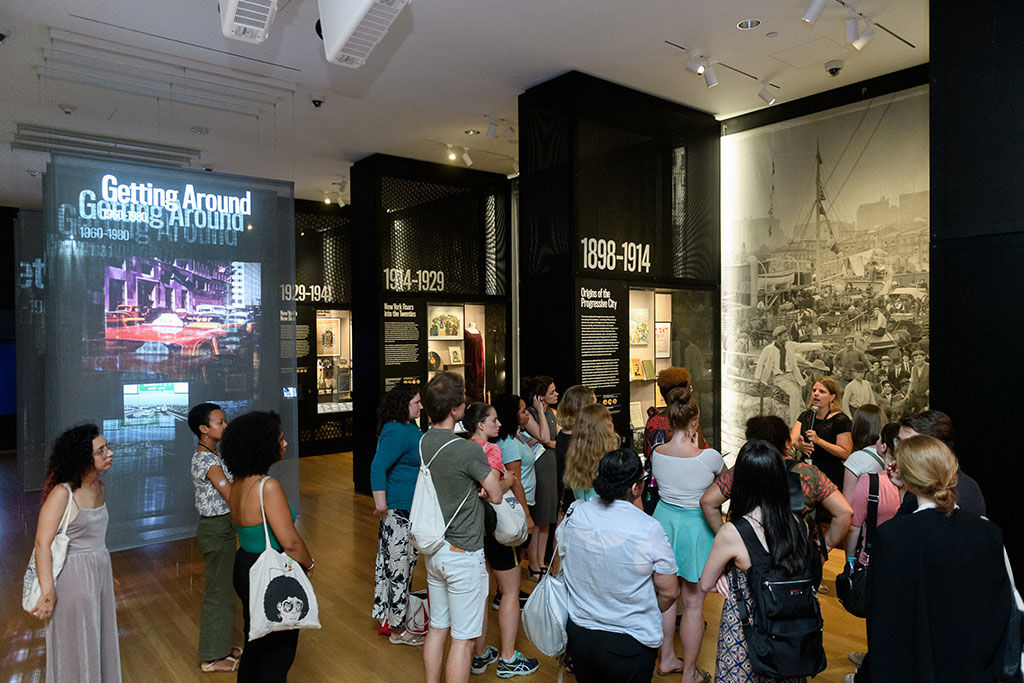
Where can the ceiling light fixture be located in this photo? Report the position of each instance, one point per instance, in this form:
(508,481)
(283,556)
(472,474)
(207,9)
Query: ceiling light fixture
(42,139)
(814,11)
(748,24)
(766,95)
(200,130)
(865,37)
(466,159)
(695,66)
(451,154)
(492,129)
(852,26)
(709,76)
(472,131)
(327,198)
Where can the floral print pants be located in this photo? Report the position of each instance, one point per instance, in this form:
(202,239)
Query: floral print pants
(396,558)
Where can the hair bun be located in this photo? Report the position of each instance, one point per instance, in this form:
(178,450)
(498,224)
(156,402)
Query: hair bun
(945,499)
(679,395)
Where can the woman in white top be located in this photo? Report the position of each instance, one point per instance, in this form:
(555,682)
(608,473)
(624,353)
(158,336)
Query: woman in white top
(684,471)
(867,426)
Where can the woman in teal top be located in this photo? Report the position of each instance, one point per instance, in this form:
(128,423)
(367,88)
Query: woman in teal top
(251,444)
(393,480)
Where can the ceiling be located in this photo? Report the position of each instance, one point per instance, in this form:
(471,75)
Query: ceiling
(444,68)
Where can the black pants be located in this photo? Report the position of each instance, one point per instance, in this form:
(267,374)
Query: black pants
(266,659)
(604,657)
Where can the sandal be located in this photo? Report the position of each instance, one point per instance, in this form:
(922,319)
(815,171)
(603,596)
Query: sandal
(538,574)
(407,638)
(211,667)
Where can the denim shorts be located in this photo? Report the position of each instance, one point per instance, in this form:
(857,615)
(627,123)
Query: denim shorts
(457,584)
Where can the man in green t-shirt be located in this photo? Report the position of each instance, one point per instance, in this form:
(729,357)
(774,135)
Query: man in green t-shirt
(457,573)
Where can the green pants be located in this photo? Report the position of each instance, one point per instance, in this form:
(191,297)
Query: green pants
(217,540)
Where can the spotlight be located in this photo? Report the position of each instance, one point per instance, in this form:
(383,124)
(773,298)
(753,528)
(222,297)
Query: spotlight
(492,129)
(709,76)
(766,95)
(327,198)
(342,184)
(852,29)
(465,156)
(509,134)
(695,66)
(812,13)
(451,154)
(866,37)
(341,200)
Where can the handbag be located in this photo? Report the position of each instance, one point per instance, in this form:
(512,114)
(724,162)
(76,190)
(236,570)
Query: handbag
(510,521)
(31,591)
(417,620)
(1008,663)
(281,597)
(852,583)
(546,612)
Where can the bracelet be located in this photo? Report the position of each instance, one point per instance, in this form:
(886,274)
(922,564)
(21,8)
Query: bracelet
(312,563)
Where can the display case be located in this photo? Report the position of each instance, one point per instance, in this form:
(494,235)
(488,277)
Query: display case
(333,361)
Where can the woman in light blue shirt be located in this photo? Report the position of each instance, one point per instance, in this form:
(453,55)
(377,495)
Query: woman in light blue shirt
(516,455)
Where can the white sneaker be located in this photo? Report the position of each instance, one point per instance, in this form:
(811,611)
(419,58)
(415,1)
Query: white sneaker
(857,658)
(849,678)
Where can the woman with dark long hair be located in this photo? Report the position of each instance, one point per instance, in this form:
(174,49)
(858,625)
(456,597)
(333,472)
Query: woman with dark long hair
(542,427)
(251,444)
(81,629)
(760,497)
(393,473)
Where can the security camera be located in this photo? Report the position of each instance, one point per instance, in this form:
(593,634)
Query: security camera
(3,34)
(317,101)
(834,67)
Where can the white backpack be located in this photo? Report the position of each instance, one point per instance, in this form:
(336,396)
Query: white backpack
(427,525)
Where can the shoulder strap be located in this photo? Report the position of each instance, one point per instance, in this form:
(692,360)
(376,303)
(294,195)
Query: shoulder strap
(468,494)
(263,512)
(874,455)
(758,555)
(446,444)
(65,519)
(868,537)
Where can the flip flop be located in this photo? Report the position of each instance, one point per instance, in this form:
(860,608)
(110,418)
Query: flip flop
(673,672)
(211,667)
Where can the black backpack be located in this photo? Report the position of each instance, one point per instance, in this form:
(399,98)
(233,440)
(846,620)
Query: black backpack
(783,634)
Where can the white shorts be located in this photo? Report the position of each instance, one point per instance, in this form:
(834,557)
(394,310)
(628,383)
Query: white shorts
(457,584)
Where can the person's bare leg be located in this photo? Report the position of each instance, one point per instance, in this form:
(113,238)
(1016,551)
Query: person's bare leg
(480,642)
(433,653)
(667,660)
(508,611)
(460,657)
(691,629)
(538,544)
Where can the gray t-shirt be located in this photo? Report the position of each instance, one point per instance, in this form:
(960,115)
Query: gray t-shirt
(456,471)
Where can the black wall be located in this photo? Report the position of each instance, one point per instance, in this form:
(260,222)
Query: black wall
(977,166)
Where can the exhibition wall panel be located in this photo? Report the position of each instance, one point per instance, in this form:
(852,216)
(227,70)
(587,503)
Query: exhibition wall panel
(160,289)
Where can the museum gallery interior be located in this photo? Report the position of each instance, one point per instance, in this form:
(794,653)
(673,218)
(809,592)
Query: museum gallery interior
(297,205)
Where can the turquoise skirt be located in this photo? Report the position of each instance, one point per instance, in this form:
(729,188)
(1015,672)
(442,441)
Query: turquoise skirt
(689,535)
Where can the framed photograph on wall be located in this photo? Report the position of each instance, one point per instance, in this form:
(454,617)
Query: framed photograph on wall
(328,337)
(639,327)
(662,340)
(456,354)
(445,322)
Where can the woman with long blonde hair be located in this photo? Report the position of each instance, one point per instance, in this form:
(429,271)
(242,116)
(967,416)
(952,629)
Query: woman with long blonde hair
(575,399)
(593,436)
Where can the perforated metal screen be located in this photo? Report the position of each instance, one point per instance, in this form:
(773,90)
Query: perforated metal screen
(323,251)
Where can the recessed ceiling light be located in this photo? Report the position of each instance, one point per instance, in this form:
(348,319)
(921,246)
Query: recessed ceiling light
(472,131)
(748,24)
(200,130)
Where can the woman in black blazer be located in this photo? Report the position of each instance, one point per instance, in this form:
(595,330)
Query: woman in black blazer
(939,595)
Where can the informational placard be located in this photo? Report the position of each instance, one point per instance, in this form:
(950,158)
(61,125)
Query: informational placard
(162,291)
(405,344)
(602,323)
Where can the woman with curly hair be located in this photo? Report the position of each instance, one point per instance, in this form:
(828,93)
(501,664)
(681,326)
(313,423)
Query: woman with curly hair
(81,634)
(593,437)
(251,444)
(393,473)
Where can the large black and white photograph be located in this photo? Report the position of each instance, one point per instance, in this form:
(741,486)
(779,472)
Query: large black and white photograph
(825,228)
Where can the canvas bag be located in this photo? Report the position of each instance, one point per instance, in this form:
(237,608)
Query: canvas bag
(417,619)
(31,591)
(510,528)
(426,522)
(546,612)
(784,630)
(281,598)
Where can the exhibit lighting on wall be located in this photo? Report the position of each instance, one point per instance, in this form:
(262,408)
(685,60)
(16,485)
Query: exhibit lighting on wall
(766,95)
(709,76)
(466,159)
(866,36)
(814,11)
(451,154)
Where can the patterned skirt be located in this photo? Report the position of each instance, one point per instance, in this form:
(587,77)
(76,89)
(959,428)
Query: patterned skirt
(396,558)
(732,664)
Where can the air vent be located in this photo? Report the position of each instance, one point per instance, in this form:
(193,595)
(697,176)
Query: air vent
(247,20)
(353,28)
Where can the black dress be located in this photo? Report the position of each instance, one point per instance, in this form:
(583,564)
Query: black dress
(828,430)
(938,598)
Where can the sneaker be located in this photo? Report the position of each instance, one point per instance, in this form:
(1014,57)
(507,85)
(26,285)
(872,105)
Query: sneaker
(496,602)
(850,678)
(481,663)
(857,658)
(519,666)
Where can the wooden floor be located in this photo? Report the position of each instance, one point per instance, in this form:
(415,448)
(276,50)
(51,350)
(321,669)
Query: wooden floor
(159,587)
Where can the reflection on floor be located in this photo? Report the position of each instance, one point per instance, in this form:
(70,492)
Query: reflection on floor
(159,588)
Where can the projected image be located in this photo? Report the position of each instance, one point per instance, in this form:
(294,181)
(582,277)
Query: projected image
(160,404)
(177,318)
